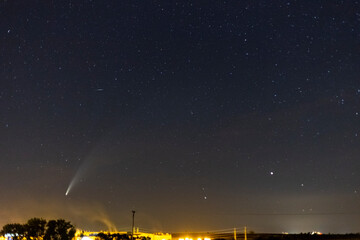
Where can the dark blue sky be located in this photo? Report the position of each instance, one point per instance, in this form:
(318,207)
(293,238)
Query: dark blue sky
(198,114)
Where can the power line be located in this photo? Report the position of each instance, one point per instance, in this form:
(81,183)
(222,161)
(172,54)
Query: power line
(293,214)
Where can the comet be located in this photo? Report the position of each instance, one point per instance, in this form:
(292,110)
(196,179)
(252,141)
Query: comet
(71,185)
(75,179)
(67,191)
(80,174)
(88,163)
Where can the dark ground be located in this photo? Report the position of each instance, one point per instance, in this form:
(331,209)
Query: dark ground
(265,236)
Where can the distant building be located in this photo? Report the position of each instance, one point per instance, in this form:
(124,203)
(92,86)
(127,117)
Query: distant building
(83,235)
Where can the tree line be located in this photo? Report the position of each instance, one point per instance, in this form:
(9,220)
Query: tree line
(40,229)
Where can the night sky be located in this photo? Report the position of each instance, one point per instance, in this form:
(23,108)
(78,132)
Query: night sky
(199,115)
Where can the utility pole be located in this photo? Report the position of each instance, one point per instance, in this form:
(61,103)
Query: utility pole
(245,237)
(133,221)
(234,233)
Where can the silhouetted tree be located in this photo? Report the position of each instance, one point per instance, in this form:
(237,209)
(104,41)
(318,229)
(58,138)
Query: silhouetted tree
(35,228)
(50,230)
(104,236)
(65,229)
(16,230)
(59,230)
(118,236)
